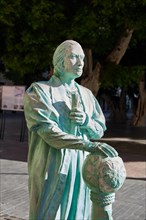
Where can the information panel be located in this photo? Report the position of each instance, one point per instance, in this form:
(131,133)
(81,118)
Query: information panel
(11,97)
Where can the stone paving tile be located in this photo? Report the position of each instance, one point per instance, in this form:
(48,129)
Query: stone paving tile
(14,190)
(130,201)
(7,217)
(129,204)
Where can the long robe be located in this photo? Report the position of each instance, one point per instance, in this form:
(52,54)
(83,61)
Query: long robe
(56,154)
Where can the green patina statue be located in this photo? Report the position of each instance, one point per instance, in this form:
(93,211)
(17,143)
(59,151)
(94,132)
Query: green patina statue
(62,117)
(104,176)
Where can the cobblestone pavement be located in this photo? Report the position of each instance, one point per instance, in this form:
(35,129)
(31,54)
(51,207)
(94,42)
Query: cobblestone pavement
(14,191)
(129,204)
(130,199)
(7,217)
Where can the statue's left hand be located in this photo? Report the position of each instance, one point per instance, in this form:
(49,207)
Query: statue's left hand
(103,149)
(108,150)
(78,117)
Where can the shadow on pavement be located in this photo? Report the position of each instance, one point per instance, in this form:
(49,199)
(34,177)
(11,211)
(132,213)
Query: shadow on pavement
(18,153)
(130,142)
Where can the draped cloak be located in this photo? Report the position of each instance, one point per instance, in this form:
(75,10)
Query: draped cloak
(56,155)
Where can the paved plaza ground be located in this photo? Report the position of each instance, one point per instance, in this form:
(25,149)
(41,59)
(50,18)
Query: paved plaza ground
(130,142)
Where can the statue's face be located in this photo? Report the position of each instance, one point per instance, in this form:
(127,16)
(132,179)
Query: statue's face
(74,62)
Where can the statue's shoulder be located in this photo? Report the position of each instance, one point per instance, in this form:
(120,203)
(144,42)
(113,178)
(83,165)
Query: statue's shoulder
(40,85)
(84,89)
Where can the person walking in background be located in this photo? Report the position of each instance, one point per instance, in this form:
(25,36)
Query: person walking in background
(62,117)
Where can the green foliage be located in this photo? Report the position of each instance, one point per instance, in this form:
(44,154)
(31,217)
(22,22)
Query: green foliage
(31,30)
(99,24)
(29,34)
(123,76)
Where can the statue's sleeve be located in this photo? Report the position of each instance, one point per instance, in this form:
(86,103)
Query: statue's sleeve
(94,125)
(42,119)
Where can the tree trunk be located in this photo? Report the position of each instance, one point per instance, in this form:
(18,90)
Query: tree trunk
(117,106)
(91,76)
(140,116)
(119,50)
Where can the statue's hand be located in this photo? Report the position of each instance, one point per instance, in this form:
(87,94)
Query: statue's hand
(78,117)
(104,150)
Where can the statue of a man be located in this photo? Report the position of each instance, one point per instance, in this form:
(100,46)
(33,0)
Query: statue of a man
(62,116)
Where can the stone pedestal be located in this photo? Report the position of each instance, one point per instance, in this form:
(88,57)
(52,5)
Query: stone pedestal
(103,176)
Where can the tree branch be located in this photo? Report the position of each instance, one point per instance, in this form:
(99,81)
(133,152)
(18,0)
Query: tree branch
(119,50)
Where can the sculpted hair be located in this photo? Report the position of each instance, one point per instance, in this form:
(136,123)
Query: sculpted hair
(59,54)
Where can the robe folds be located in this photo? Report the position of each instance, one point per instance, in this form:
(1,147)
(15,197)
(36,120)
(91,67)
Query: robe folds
(56,153)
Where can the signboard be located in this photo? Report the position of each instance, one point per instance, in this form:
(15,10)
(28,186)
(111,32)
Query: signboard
(11,97)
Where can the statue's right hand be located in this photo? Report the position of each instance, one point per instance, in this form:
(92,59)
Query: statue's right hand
(103,149)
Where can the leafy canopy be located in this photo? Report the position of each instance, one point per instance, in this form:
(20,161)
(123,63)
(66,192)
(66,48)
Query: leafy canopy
(31,29)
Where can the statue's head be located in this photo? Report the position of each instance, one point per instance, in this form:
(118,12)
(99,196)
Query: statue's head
(62,52)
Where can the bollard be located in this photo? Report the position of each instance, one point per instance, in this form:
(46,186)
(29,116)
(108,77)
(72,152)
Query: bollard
(103,176)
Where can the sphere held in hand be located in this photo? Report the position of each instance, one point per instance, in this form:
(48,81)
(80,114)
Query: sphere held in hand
(105,175)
